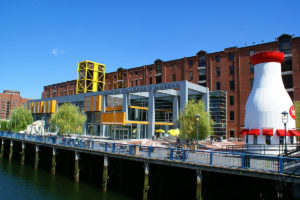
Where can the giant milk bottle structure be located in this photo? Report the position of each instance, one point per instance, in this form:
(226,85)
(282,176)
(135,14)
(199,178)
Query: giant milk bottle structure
(267,100)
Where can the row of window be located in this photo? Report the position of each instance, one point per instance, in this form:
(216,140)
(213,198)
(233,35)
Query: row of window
(231,70)
(231,84)
(268,140)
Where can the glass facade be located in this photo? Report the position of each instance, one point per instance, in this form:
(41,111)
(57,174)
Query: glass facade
(218,101)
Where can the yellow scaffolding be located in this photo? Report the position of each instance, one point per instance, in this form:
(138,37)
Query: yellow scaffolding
(90,77)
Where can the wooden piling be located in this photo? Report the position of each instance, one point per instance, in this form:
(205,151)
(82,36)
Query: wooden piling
(23,154)
(11,149)
(2,148)
(53,168)
(146,182)
(76,174)
(36,160)
(105,174)
(199,185)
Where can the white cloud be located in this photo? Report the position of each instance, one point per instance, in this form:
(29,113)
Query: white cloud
(57,51)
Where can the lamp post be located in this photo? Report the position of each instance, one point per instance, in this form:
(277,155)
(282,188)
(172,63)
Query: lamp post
(197,119)
(285,119)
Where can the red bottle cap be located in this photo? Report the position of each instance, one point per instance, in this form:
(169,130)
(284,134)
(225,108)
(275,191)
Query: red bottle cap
(267,56)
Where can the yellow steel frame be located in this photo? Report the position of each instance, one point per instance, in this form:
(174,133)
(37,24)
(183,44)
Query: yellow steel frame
(90,77)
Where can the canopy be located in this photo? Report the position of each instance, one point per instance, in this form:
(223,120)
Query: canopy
(281,132)
(294,132)
(159,131)
(254,132)
(267,132)
(174,132)
(244,132)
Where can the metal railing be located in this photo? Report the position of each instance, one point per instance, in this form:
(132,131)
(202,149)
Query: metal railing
(262,149)
(239,160)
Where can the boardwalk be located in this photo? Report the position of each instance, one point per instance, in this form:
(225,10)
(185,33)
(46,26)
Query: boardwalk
(233,161)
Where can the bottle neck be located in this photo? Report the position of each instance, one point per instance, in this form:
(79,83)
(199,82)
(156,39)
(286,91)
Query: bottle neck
(268,75)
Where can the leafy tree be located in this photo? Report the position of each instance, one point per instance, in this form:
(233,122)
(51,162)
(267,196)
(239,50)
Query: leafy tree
(68,119)
(3,125)
(187,120)
(19,119)
(297,109)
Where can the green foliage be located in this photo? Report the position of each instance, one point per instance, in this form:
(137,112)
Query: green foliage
(3,125)
(68,119)
(187,120)
(297,109)
(19,119)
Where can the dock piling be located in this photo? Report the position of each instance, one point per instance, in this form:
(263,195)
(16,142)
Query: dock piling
(199,185)
(23,154)
(146,182)
(11,149)
(36,160)
(105,174)
(76,175)
(53,168)
(2,148)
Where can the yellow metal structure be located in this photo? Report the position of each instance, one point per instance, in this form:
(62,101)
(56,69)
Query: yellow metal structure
(90,77)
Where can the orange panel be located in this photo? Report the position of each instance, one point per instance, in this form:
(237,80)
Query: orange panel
(98,103)
(91,103)
(116,108)
(113,118)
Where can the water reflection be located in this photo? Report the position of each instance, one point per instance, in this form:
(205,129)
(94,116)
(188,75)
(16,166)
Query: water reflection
(23,182)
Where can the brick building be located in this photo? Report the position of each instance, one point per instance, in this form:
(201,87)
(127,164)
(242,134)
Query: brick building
(9,100)
(229,70)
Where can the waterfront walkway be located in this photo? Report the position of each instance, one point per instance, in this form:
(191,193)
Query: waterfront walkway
(259,163)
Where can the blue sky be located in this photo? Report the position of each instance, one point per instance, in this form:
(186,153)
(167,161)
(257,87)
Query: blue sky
(42,41)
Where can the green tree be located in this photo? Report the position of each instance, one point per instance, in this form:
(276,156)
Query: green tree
(68,119)
(19,119)
(297,109)
(187,120)
(3,125)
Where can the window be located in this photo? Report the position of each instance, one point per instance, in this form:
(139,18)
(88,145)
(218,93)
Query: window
(292,139)
(158,79)
(191,63)
(174,66)
(231,85)
(158,67)
(246,139)
(251,52)
(136,73)
(150,80)
(174,77)
(202,61)
(251,82)
(217,58)
(150,70)
(231,117)
(231,56)
(251,69)
(218,72)
(136,82)
(218,86)
(231,70)
(115,77)
(202,74)
(268,140)
(255,139)
(231,132)
(281,140)
(115,86)
(190,75)
(231,100)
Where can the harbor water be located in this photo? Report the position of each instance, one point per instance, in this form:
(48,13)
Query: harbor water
(23,182)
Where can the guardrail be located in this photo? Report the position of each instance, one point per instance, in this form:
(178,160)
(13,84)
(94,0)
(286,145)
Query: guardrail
(275,164)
